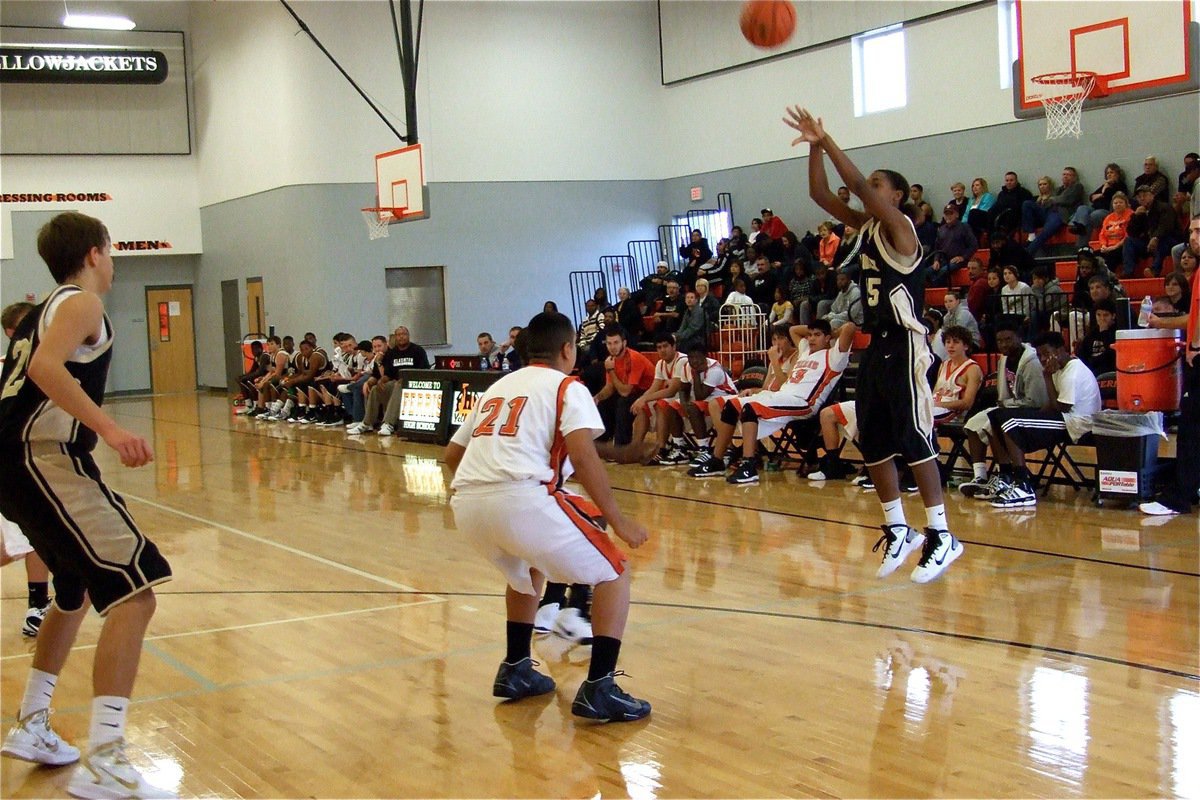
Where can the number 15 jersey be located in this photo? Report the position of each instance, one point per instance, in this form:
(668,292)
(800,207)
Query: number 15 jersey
(893,288)
(516,432)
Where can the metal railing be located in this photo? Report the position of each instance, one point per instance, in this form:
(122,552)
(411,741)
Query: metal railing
(584,284)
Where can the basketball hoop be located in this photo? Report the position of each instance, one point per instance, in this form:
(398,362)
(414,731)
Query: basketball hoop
(1070,89)
(378,220)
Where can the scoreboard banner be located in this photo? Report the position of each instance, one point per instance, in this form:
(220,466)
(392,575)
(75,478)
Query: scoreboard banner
(434,403)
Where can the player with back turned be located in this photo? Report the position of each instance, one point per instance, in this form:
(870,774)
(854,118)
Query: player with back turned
(893,400)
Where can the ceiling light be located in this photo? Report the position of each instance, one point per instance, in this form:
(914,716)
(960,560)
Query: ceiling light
(98,21)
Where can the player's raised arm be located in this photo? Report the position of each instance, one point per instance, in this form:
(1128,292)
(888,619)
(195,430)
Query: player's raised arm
(75,322)
(810,130)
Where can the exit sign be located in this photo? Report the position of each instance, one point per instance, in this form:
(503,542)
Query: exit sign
(697,193)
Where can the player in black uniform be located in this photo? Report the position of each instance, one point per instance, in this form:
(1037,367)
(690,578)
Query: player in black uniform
(893,400)
(50,421)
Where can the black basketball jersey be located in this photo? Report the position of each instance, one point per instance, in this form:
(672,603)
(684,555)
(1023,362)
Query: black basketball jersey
(893,288)
(26,414)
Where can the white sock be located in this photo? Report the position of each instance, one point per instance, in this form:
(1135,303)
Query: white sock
(108,720)
(893,513)
(38,692)
(980,468)
(935,517)
(705,442)
(678,441)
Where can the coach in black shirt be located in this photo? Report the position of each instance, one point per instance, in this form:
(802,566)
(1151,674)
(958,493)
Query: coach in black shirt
(403,354)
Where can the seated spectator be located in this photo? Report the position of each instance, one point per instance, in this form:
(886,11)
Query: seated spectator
(978,213)
(696,245)
(772,225)
(383,401)
(737,299)
(1020,384)
(1052,213)
(1073,397)
(781,310)
(849,199)
(670,445)
(1095,350)
(510,357)
(489,351)
(756,233)
(792,251)
(801,291)
(670,309)
(593,374)
(551,307)
(829,243)
(1188,261)
(1178,290)
(809,384)
(958,378)
(1151,177)
(1016,295)
(761,285)
(926,226)
(354,396)
(716,267)
(825,279)
(846,306)
(916,194)
(260,365)
(1149,232)
(627,375)
(1004,251)
(1049,298)
(991,303)
(738,241)
(1089,217)
(955,244)
(629,315)
(704,381)
(693,326)
(589,328)
(654,287)
(958,199)
(1191,171)
(958,315)
(1113,230)
(709,303)
(979,290)
(1006,211)
(846,257)
(601,298)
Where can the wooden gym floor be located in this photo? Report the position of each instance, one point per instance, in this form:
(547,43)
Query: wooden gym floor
(329,634)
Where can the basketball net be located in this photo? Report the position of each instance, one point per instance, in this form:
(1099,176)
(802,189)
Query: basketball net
(1063,110)
(378,221)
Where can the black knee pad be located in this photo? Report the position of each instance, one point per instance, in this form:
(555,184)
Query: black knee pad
(748,414)
(729,414)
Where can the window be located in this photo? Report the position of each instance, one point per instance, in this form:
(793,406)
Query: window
(417,300)
(1006,24)
(880,71)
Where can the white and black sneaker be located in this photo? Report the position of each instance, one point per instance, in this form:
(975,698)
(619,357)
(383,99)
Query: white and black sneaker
(667,457)
(940,551)
(897,542)
(973,486)
(712,468)
(702,455)
(1018,495)
(863,476)
(746,472)
(995,486)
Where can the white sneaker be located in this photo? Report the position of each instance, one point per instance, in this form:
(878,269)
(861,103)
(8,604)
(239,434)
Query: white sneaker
(106,774)
(1157,509)
(32,739)
(275,406)
(1019,495)
(386,430)
(355,428)
(941,549)
(242,410)
(997,485)
(33,620)
(570,624)
(543,623)
(900,541)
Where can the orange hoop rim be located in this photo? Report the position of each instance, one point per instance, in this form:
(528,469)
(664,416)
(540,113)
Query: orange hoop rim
(1079,79)
(396,213)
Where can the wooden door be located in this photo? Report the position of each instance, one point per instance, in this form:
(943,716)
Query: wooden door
(256,312)
(172,340)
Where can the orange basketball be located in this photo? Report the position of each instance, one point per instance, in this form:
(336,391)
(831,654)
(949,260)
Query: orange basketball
(768,23)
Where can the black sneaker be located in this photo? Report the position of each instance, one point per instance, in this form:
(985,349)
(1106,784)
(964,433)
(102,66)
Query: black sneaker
(602,699)
(908,484)
(713,467)
(667,457)
(514,681)
(746,472)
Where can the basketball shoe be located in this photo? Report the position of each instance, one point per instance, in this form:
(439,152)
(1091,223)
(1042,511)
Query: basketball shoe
(941,550)
(514,681)
(571,624)
(1019,495)
(746,472)
(602,699)
(897,542)
(33,620)
(106,774)
(32,739)
(713,467)
(386,430)
(543,622)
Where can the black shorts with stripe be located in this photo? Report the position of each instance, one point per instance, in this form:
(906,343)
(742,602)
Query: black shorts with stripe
(1030,429)
(893,400)
(79,526)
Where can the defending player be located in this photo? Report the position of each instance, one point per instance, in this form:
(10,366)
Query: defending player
(509,460)
(50,420)
(892,398)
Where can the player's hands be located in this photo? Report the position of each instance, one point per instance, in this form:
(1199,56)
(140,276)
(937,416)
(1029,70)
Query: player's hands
(610,363)
(133,449)
(631,533)
(810,128)
(637,406)
(773,354)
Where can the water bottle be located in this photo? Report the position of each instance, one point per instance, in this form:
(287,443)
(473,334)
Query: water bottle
(505,364)
(1147,310)
(483,363)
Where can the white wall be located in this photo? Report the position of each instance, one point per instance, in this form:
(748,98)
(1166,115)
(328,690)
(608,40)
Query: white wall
(507,92)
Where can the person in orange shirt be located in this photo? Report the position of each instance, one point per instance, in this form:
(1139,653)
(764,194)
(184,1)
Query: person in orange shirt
(627,375)
(827,249)
(1113,230)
